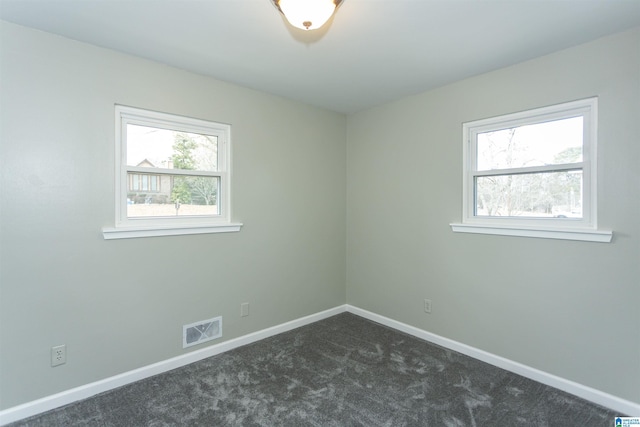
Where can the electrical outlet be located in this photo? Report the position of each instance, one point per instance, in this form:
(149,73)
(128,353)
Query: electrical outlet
(427,306)
(244,309)
(58,355)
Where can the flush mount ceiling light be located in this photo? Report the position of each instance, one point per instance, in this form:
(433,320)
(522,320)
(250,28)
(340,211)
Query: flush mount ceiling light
(307,14)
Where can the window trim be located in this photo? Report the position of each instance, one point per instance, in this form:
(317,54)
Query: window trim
(584,229)
(126,227)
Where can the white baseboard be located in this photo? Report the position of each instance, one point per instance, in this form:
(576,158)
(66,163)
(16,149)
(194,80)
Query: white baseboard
(57,400)
(69,396)
(596,396)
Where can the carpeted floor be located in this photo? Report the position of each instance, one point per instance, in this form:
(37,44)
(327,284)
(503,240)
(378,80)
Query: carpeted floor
(342,371)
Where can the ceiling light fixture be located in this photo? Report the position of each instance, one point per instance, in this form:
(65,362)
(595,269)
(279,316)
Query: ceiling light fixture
(307,14)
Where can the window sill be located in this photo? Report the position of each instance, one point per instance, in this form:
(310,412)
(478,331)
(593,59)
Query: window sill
(135,232)
(585,235)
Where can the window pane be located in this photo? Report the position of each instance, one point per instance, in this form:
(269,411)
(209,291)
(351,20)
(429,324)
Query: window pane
(550,194)
(548,143)
(161,148)
(178,195)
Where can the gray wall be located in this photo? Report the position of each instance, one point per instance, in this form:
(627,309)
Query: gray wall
(568,308)
(121,304)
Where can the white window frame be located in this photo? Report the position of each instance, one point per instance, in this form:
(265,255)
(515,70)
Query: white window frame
(126,227)
(584,228)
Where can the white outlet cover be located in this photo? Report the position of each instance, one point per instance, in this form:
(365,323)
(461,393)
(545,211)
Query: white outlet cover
(58,355)
(202,331)
(427,306)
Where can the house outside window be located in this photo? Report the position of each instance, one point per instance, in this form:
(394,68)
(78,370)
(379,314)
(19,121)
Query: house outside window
(533,173)
(172,175)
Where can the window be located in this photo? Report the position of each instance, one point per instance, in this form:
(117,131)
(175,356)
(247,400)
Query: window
(172,175)
(143,182)
(533,174)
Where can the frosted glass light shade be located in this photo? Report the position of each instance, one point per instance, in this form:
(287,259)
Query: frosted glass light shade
(307,14)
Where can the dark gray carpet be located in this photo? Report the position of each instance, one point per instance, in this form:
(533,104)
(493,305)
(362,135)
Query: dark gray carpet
(342,371)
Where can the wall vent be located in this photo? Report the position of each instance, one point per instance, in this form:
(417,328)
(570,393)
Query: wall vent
(202,331)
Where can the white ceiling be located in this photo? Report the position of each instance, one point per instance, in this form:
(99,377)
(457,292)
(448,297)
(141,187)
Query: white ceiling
(372,52)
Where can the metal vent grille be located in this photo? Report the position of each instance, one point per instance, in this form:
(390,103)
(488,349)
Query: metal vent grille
(202,331)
